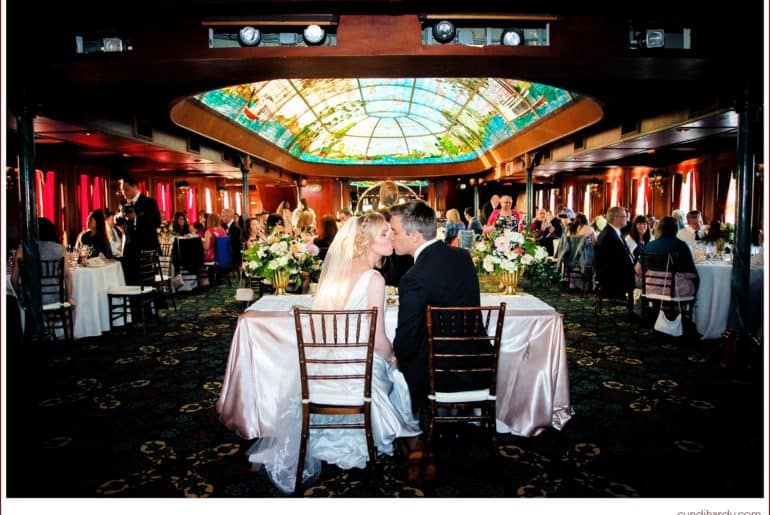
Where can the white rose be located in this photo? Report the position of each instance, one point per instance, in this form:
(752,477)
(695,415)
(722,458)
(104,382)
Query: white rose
(489,264)
(526,259)
(509,266)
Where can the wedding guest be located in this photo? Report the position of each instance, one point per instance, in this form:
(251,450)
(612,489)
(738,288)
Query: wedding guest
(275,223)
(694,230)
(614,264)
(213,230)
(114,234)
(284,211)
(197,229)
(302,207)
(181,227)
(253,233)
(95,236)
(638,237)
(328,232)
(233,229)
(343,215)
(667,241)
(506,218)
(551,234)
(473,223)
(489,208)
(49,248)
(453,225)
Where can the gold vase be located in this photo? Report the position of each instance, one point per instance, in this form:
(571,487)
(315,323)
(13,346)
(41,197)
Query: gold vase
(280,280)
(510,281)
(720,246)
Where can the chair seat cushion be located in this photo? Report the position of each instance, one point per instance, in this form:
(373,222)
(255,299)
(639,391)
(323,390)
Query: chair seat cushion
(129,290)
(56,305)
(465,396)
(337,400)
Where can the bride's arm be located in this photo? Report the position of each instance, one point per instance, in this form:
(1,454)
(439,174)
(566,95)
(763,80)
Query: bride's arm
(376,299)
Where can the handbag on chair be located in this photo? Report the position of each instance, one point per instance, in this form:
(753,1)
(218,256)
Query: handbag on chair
(662,323)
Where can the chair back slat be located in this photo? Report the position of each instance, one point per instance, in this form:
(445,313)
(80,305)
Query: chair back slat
(335,345)
(460,346)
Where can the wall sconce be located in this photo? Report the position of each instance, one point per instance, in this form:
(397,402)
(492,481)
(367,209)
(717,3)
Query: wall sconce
(656,180)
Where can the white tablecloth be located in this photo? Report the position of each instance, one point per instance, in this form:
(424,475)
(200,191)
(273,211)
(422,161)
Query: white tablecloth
(90,287)
(712,302)
(262,374)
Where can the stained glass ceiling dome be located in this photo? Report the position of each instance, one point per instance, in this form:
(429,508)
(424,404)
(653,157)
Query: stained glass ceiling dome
(402,121)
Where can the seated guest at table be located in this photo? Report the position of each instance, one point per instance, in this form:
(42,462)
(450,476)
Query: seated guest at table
(96,236)
(666,240)
(551,234)
(49,248)
(253,233)
(694,230)
(613,262)
(349,281)
(638,236)
(213,230)
(328,232)
(114,234)
(713,232)
(181,227)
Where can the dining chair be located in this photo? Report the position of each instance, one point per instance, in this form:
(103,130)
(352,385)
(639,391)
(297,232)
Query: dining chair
(162,282)
(663,287)
(56,308)
(136,298)
(335,363)
(462,366)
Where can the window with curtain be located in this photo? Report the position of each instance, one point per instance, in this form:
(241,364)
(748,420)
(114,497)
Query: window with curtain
(226,199)
(587,202)
(92,194)
(732,200)
(207,200)
(688,196)
(238,204)
(615,193)
(165,202)
(640,206)
(190,205)
(570,200)
(552,201)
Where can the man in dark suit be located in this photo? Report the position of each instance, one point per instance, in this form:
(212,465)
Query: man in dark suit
(234,233)
(613,261)
(141,228)
(441,276)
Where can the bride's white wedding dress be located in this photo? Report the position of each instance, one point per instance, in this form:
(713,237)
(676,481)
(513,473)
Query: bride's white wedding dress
(391,416)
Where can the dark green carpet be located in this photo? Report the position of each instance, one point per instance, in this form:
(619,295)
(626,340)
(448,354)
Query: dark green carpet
(130,416)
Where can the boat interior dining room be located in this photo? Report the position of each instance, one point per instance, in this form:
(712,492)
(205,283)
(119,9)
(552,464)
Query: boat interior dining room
(150,374)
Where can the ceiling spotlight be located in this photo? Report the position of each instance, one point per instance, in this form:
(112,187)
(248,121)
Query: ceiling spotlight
(314,35)
(444,31)
(512,37)
(249,36)
(654,38)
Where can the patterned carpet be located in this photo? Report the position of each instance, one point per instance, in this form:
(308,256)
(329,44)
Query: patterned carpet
(129,416)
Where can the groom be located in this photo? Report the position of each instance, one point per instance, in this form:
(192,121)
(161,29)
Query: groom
(441,276)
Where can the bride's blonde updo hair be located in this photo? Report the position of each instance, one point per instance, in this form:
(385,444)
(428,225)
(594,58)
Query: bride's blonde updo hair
(351,241)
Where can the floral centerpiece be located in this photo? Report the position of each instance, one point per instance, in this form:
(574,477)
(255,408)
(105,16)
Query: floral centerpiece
(165,231)
(721,234)
(281,258)
(511,254)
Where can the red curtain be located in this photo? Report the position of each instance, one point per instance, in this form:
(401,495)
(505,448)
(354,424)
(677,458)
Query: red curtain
(84,196)
(163,197)
(98,196)
(45,194)
(190,207)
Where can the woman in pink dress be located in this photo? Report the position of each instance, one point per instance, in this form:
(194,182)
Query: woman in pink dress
(213,230)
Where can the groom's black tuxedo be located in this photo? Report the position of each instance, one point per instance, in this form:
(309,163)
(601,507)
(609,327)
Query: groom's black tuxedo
(441,276)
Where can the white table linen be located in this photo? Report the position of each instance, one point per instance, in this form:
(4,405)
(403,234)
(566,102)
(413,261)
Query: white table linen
(262,374)
(90,285)
(712,301)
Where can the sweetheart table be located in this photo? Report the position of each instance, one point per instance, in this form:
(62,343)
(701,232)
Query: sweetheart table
(262,374)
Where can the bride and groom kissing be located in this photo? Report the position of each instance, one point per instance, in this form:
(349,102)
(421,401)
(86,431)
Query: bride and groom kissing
(441,276)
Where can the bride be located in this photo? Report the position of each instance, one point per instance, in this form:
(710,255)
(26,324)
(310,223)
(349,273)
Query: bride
(349,281)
